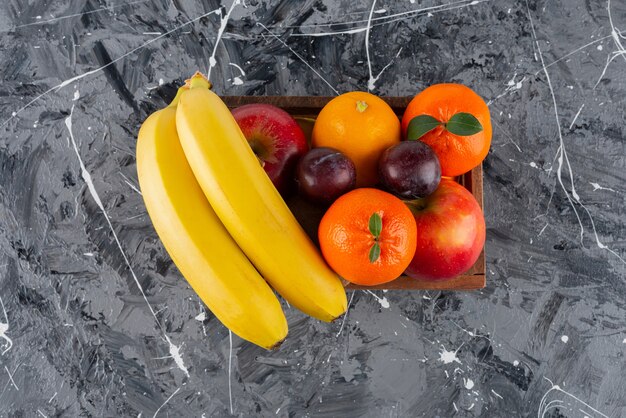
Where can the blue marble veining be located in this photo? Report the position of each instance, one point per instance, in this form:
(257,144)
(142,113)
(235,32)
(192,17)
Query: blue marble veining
(95,320)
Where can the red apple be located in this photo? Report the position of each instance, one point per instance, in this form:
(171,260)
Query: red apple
(450,232)
(276,139)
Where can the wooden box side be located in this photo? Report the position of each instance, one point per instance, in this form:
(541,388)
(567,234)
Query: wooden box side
(309,107)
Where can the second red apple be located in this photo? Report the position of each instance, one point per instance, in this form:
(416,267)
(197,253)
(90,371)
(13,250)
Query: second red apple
(450,232)
(276,139)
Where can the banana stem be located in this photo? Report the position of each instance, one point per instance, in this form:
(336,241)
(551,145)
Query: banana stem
(198,80)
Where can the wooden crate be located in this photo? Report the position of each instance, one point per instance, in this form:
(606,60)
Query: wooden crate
(305,109)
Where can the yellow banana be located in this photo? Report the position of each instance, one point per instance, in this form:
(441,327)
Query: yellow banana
(250,207)
(200,246)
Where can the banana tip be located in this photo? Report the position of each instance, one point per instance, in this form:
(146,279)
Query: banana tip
(277,345)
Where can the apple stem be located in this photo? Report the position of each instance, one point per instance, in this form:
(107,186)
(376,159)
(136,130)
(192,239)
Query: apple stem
(361,106)
(415,205)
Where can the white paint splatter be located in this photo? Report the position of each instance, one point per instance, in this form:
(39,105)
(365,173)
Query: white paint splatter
(130,184)
(511,86)
(564,338)
(383,301)
(576,116)
(609,59)
(161,82)
(345,315)
(544,407)
(599,48)
(164,403)
(200,317)
(447,357)
(533,164)
(563,157)
(220,32)
(615,34)
(468,383)
(299,57)
(133,187)
(55,19)
(97,70)
(237,81)
(573,52)
(11,378)
(4,328)
(515,363)
(386,19)
(173,349)
(371,82)
(596,186)
(624,341)
(497,394)
(175,353)
(243,73)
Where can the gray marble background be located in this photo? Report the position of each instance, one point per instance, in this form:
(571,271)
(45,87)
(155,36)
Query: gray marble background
(95,320)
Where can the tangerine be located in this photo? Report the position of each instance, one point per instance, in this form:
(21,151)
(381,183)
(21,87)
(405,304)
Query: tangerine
(457,154)
(368,236)
(361,126)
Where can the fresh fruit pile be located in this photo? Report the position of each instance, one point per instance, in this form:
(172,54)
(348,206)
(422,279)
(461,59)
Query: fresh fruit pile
(214,182)
(445,131)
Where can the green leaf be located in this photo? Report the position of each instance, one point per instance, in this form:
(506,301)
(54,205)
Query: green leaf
(374,252)
(463,124)
(420,126)
(375,224)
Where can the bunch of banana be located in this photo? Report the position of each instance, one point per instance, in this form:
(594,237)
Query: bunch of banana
(222,221)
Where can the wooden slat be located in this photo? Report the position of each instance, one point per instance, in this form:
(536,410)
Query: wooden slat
(304,109)
(464,282)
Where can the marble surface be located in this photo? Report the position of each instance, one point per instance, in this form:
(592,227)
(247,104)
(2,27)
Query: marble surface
(95,320)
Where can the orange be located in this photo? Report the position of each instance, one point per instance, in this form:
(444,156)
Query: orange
(361,126)
(346,238)
(457,154)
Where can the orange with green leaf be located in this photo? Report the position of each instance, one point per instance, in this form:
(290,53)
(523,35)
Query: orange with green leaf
(368,236)
(454,121)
